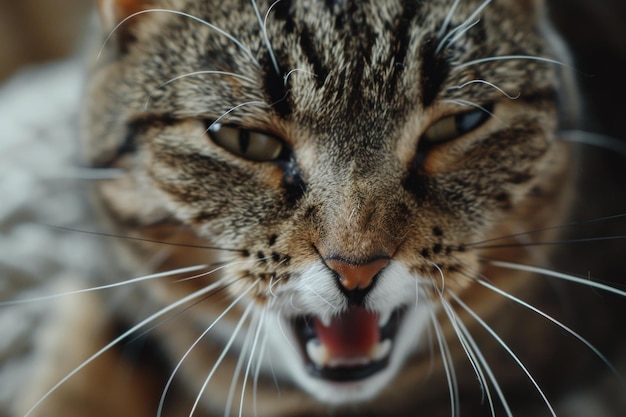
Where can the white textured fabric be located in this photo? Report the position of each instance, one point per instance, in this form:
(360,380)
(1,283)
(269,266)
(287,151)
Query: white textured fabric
(39,187)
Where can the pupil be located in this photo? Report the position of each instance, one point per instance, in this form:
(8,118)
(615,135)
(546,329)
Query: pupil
(244,140)
(466,122)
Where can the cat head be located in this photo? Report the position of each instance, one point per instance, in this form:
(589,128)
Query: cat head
(349,157)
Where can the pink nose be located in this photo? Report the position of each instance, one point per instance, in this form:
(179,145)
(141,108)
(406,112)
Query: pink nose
(357,276)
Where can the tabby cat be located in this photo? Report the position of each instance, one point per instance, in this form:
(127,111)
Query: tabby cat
(351,203)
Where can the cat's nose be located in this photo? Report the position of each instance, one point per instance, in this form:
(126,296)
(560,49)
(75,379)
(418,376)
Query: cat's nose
(357,277)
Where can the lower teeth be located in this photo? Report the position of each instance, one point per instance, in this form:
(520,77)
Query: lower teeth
(317,352)
(381,350)
(320,356)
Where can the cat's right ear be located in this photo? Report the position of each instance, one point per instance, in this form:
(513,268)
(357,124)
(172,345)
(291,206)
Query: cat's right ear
(114,12)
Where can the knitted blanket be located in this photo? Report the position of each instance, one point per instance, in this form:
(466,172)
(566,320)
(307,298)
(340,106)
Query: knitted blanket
(41,185)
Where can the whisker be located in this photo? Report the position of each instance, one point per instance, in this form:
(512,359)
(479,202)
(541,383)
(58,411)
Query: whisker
(267,14)
(184,310)
(417,292)
(140,239)
(443,279)
(594,139)
(219,360)
(192,74)
(545,229)
(507,349)
(216,122)
(272,283)
(418,283)
(318,295)
(251,357)
(455,34)
(108,286)
(466,103)
(283,333)
(507,95)
(292,303)
(257,371)
(558,275)
(486,367)
(262,23)
(216,267)
(550,243)
(240,361)
(448,364)
(453,318)
(562,326)
(286,77)
(179,13)
(163,311)
(188,352)
(469,352)
(83,173)
(460,31)
(448,19)
(223,266)
(512,57)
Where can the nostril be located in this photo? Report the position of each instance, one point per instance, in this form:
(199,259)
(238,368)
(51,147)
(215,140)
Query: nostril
(357,277)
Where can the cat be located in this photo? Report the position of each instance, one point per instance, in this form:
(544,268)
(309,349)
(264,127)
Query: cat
(340,208)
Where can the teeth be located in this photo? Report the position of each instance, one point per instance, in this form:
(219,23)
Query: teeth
(380,350)
(326,320)
(384,318)
(348,362)
(319,355)
(317,352)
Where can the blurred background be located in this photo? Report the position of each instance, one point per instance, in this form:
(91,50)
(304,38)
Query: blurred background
(595,31)
(34,31)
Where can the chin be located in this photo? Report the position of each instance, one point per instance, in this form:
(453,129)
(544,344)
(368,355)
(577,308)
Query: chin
(349,356)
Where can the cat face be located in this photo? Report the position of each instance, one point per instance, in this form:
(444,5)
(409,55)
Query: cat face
(348,158)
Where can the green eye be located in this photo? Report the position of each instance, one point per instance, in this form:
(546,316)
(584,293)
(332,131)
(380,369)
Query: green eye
(452,127)
(248,144)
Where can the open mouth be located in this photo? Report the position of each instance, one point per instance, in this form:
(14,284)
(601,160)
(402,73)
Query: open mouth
(350,347)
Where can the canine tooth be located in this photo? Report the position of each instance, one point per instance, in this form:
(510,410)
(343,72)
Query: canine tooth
(384,318)
(317,352)
(326,320)
(380,350)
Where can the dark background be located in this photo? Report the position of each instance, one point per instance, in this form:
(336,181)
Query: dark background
(596,33)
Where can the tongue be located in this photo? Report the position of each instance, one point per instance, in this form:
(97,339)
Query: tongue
(353,334)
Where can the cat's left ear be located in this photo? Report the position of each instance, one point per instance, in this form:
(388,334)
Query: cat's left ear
(113,12)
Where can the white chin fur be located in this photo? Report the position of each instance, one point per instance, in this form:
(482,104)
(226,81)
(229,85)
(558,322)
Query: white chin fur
(395,288)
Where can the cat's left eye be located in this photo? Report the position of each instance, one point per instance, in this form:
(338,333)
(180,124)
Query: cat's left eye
(248,144)
(455,126)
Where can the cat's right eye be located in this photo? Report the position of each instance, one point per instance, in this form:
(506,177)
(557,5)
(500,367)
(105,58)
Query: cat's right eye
(245,143)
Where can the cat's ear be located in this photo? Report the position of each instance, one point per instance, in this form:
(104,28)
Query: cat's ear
(112,12)
(121,16)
